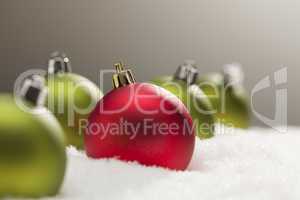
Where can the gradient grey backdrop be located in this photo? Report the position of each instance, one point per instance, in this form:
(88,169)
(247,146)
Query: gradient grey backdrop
(156,36)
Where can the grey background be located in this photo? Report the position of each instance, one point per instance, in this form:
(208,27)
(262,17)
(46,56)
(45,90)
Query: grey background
(154,37)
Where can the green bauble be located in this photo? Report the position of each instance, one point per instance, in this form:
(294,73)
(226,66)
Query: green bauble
(71,98)
(192,96)
(32,151)
(228,96)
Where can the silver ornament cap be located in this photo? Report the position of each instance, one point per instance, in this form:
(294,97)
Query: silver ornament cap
(34,90)
(59,63)
(187,72)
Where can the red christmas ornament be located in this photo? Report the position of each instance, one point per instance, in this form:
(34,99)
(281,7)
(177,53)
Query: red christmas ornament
(140,122)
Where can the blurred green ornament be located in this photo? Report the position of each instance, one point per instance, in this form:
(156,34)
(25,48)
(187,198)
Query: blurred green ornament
(32,151)
(182,84)
(228,96)
(71,98)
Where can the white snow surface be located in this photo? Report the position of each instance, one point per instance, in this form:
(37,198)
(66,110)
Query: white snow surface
(254,164)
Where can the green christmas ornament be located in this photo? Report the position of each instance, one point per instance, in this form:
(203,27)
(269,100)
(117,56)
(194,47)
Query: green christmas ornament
(71,98)
(228,96)
(32,151)
(182,84)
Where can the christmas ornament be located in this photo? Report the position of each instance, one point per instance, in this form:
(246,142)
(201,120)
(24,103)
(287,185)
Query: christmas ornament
(182,84)
(32,151)
(140,122)
(228,96)
(71,98)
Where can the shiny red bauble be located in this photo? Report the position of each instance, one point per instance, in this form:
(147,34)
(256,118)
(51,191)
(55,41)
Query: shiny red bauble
(144,123)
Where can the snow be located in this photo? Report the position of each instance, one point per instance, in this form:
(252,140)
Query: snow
(254,164)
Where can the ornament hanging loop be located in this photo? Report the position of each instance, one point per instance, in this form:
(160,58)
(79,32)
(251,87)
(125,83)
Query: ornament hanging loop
(119,67)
